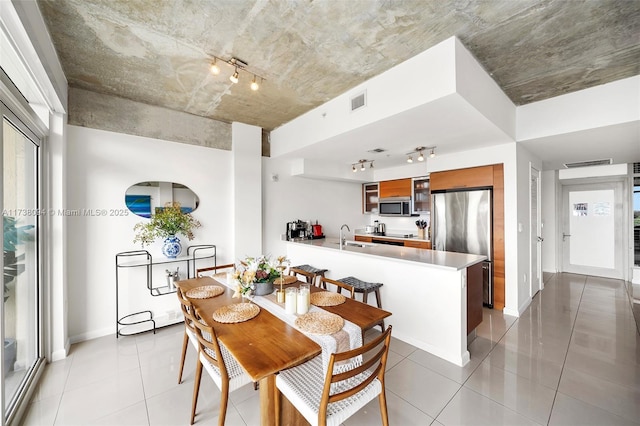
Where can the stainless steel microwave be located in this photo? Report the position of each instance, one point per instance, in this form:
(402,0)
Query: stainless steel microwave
(395,206)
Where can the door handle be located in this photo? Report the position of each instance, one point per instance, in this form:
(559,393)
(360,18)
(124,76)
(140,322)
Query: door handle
(540,239)
(565,235)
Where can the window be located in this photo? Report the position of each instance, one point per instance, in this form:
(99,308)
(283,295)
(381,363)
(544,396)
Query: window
(21,258)
(636,220)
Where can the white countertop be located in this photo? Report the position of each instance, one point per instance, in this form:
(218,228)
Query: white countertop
(441,259)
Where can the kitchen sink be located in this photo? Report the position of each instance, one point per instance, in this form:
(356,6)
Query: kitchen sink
(354,244)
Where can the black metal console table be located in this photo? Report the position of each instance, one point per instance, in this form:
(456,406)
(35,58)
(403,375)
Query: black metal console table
(144,259)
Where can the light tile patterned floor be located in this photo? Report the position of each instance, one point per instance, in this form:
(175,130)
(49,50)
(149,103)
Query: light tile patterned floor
(573,358)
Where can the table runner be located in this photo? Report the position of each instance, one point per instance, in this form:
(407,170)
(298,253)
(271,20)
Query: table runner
(331,343)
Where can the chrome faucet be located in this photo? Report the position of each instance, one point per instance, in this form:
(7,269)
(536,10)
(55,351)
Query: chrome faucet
(343,239)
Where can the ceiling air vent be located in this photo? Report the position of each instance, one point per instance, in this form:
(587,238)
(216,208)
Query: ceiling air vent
(359,101)
(604,162)
(376,150)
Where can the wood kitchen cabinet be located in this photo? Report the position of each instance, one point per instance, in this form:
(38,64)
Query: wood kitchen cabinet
(370,197)
(421,195)
(418,244)
(407,243)
(395,188)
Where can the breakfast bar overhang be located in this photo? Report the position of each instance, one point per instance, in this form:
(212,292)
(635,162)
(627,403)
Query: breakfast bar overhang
(425,290)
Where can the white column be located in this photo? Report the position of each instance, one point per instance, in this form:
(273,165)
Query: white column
(247,190)
(55,264)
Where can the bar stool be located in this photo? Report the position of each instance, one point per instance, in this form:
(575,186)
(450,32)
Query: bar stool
(313,271)
(365,288)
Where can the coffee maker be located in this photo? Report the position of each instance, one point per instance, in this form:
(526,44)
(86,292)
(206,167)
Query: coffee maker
(298,230)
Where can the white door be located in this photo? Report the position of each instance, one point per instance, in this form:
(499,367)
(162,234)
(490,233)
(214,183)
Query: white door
(592,231)
(535,234)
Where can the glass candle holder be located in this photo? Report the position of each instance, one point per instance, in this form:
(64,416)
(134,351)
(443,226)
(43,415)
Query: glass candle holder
(303,299)
(290,302)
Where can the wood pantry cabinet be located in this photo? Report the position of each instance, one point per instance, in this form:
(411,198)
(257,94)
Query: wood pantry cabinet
(475,177)
(395,188)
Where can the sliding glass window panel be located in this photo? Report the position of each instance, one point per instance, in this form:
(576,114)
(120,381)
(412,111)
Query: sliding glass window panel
(636,220)
(20,259)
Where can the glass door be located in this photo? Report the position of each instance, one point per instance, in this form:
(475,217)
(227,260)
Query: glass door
(20,220)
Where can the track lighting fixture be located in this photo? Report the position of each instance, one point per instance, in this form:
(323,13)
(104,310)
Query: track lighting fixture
(362,164)
(421,156)
(238,66)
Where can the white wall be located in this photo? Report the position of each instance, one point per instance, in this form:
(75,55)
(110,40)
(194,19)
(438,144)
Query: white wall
(331,203)
(244,208)
(101,166)
(525,160)
(549,196)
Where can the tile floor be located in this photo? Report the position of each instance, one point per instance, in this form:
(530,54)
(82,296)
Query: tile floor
(573,358)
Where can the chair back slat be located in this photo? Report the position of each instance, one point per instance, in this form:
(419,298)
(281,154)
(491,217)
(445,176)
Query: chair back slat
(308,276)
(187,309)
(339,286)
(208,343)
(200,271)
(375,366)
(360,368)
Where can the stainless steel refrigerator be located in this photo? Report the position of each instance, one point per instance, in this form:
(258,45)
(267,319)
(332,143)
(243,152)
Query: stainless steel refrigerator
(461,222)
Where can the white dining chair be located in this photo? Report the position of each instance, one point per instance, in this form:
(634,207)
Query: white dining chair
(216,360)
(189,330)
(330,397)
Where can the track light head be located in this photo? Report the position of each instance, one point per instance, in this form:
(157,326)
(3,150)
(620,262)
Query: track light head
(421,157)
(254,84)
(410,159)
(353,168)
(432,153)
(371,165)
(215,69)
(234,77)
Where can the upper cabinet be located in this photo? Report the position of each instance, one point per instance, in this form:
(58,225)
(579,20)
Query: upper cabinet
(473,177)
(370,198)
(421,195)
(395,188)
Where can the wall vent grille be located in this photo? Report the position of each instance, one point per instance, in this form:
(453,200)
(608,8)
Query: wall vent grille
(590,163)
(636,168)
(359,101)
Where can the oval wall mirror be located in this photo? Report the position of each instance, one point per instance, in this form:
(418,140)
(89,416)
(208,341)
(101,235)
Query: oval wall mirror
(143,198)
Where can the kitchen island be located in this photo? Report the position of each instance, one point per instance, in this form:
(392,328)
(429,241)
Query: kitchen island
(425,290)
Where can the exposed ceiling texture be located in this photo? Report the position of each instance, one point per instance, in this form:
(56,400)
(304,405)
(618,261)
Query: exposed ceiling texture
(159,52)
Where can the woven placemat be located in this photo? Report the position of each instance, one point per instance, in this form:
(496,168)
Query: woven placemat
(288,279)
(205,292)
(320,322)
(327,298)
(238,312)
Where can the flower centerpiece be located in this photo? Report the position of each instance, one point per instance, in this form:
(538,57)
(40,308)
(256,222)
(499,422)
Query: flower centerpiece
(166,223)
(255,275)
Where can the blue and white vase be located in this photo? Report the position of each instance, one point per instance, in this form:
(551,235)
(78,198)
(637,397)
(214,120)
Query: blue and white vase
(171,247)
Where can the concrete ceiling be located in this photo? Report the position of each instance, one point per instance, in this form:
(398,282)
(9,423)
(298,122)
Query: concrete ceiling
(158,52)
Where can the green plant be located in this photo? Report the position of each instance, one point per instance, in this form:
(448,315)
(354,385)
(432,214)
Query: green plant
(13,237)
(167,221)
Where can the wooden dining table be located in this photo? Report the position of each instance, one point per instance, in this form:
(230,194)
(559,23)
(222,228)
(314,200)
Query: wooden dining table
(265,345)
